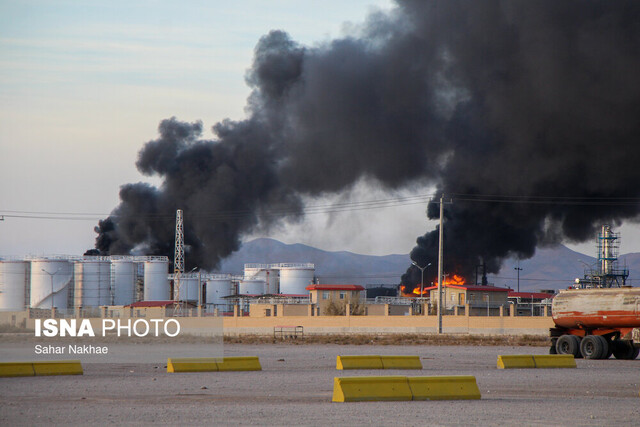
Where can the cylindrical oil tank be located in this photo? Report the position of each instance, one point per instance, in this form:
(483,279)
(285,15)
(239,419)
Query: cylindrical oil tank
(265,273)
(156,280)
(13,285)
(272,280)
(47,276)
(295,278)
(189,288)
(123,277)
(251,287)
(597,308)
(218,287)
(92,283)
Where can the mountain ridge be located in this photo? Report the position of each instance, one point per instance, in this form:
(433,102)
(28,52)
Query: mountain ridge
(550,268)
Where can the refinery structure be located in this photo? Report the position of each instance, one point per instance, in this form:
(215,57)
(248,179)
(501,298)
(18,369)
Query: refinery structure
(87,283)
(71,282)
(607,273)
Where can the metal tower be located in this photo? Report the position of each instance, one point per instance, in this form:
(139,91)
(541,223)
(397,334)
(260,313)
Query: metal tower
(607,274)
(608,249)
(178,259)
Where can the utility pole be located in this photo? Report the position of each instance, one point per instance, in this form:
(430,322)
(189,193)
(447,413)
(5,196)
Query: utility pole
(440,266)
(518,269)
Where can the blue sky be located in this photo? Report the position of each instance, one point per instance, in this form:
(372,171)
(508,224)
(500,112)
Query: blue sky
(84,84)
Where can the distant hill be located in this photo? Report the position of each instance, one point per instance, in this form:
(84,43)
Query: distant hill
(550,268)
(331,267)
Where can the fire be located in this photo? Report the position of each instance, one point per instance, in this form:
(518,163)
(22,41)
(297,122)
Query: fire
(454,280)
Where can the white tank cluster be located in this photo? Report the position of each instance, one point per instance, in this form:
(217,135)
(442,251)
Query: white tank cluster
(280,278)
(65,282)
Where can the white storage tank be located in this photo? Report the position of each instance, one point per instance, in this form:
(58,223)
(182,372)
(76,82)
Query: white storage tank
(189,288)
(218,286)
(156,280)
(123,278)
(251,287)
(92,283)
(265,272)
(47,276)
(13,285)
(294,278)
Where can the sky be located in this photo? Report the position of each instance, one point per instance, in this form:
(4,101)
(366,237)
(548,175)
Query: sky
(83,85)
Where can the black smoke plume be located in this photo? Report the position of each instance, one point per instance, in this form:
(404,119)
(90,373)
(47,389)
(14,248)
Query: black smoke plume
(524,113)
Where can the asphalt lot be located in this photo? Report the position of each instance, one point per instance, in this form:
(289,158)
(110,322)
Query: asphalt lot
(295,388)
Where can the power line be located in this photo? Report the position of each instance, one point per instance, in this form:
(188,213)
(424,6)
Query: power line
(548,200)
(337,207)
(224,215)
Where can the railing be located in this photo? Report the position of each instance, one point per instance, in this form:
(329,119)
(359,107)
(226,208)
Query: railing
(280,265)
(284,300)
(397,300)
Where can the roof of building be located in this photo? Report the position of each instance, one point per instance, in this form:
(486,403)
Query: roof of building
(529,295)
(151,304)
(335,288)
(471,288)
(266,296)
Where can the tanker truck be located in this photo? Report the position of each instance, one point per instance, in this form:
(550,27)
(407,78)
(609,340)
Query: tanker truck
(596,323)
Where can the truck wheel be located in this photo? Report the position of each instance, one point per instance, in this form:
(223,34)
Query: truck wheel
(568,344)
(577,340)
(609,348)
(624,350)
(606,348)
(591,347)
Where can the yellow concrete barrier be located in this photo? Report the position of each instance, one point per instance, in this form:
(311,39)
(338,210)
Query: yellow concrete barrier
(358,362)
(16,369)
(360,389)
(213,364)
(555,361)
(458,387)
(242,363)
(58,367)
(401,362)
(536,361)
(515,361)
(192,364)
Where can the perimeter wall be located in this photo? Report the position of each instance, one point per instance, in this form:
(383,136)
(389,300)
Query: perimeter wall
(389,324)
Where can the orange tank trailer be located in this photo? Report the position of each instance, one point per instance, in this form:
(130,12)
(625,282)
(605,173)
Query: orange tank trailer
(596,323)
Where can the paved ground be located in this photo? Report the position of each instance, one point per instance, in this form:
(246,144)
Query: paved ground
(295,388)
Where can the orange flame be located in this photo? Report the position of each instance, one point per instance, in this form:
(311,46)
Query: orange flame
(454,280)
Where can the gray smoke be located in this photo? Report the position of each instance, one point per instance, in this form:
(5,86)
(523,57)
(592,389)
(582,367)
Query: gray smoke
(524,112)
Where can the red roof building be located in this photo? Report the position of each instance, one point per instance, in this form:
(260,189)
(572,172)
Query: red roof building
(325,296)
(479,299)
(141,304)
(530,295)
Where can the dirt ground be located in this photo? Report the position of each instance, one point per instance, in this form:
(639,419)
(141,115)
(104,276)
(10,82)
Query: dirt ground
(295,388)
